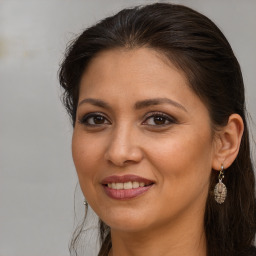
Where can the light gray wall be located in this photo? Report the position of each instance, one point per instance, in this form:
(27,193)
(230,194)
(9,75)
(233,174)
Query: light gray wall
(37,177)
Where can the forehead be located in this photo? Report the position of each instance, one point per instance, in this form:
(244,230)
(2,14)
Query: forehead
(142,68)
(121,78)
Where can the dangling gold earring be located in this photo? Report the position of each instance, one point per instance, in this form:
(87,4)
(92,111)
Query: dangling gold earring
(220,190)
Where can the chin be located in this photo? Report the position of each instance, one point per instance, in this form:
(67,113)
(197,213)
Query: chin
(128,221)
(129,227)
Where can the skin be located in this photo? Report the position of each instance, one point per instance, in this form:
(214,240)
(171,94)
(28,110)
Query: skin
(177,151)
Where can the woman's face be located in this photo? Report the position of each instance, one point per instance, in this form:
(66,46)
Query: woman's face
(142,143)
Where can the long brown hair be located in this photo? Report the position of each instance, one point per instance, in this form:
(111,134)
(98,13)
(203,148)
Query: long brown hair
(196,46)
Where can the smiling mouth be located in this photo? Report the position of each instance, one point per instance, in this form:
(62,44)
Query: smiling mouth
(126,187)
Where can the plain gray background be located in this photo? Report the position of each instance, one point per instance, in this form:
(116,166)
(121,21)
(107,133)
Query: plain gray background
(37,177)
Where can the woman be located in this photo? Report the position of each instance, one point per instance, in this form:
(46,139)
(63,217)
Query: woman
(160,140)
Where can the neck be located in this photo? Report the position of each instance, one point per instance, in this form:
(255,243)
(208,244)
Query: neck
(184,238)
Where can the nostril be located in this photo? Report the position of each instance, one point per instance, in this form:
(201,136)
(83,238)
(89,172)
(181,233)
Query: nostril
(128,161)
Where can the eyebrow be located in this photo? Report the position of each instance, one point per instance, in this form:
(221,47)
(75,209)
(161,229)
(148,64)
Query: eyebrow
(138,105)
(95,102)
(158,101)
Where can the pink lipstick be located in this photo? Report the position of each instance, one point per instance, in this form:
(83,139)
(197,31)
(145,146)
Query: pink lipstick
(126,187)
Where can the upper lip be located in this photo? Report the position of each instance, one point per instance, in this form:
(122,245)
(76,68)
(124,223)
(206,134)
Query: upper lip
(125,178)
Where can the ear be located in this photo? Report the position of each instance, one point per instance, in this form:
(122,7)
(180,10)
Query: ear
(227,142)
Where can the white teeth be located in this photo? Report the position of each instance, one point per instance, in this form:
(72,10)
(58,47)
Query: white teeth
(119,185)
(135,184)
(142,184)
(126,185)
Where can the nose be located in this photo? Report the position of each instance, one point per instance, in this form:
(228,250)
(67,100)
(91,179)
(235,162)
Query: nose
(123,147)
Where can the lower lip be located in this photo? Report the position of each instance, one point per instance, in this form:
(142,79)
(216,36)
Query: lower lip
(124,194)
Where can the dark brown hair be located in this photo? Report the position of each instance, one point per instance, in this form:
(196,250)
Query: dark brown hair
(197,47)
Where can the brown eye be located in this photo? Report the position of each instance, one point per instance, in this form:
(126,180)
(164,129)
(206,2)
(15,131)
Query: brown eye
(98,119)
(159,119)
(94,119)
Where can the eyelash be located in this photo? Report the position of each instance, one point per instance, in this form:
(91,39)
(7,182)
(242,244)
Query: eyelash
(171,120)
(84,119)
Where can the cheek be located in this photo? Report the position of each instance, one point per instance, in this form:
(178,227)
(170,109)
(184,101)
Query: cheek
(185,158)
(183,167)
(86,158)
(86,150)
